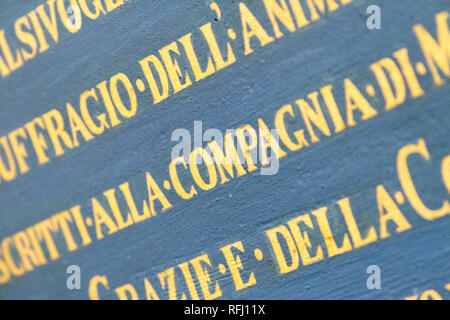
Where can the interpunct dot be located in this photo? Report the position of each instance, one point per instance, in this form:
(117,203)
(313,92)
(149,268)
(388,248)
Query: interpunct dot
(399,197)
(370,90)
(420,67)
(258,254)
(89,221)
(140,85)
(167,184)
(222,269)
(231,34)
